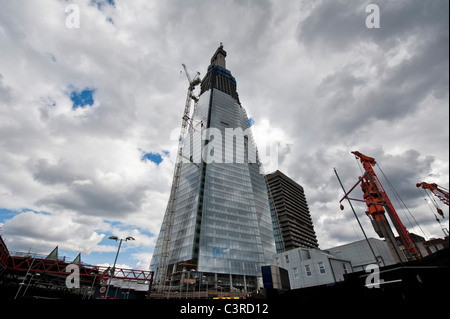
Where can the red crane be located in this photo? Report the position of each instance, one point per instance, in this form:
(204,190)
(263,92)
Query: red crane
(378,203)
(436,190)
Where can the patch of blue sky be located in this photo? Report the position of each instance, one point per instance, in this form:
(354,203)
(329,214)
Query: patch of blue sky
(6,214)
(107,258)
(82,98)
(156,158)
(5,211)
(251,121)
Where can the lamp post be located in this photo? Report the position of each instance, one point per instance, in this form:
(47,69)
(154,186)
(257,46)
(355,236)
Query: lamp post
(187,287)
(195,284)
(115,260)
(220,286)
(206,280)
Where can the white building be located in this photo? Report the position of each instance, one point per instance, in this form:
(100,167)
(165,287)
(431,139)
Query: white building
(359,253)
(311,267)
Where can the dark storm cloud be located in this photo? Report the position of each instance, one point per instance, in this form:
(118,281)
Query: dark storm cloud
(338,25)
(403,172)
(333,25)
(97,199)
(5,94)
(406,86)
(392,89)
(62,172)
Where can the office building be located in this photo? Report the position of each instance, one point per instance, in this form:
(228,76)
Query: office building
(290,209)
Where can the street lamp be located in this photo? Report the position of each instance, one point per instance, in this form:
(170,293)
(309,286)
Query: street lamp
(206,279)
(187,287)
(115,260)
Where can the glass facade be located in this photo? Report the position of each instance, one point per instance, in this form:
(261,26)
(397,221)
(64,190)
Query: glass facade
(236,231)
(222,225)
(181,245)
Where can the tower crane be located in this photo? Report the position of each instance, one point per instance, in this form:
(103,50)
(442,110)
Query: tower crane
(171,206)
(378,203)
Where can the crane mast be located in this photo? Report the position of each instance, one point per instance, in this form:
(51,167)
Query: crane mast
(378,203)
(165,249)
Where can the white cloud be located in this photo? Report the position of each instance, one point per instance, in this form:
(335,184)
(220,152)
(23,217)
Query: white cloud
(82,182)
(44,231)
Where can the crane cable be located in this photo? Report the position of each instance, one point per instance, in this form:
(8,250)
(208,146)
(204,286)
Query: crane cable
(426,201)
(433,200)
(400,202)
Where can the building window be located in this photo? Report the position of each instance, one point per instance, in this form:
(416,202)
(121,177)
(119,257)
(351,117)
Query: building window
(321,268)
(287,259)
(308,271)
(295,271)
(304,254)
(344,266)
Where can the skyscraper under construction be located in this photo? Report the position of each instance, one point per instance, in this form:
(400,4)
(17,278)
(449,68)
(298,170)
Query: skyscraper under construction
(217,229)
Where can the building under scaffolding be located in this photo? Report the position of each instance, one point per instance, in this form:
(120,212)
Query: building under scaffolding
(25,275)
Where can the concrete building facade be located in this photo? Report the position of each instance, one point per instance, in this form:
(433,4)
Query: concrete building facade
(290,210)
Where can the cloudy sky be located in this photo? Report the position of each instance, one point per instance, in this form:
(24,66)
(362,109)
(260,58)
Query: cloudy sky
(88,114)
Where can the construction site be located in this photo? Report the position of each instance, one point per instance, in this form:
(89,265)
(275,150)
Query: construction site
(175,275)
(379,205)
(25,275)
(187,264)
(418,267)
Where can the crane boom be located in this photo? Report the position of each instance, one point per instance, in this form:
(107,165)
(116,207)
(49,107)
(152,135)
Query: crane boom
(436,190)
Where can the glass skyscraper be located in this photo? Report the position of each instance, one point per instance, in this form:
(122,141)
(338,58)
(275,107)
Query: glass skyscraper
(221,229)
